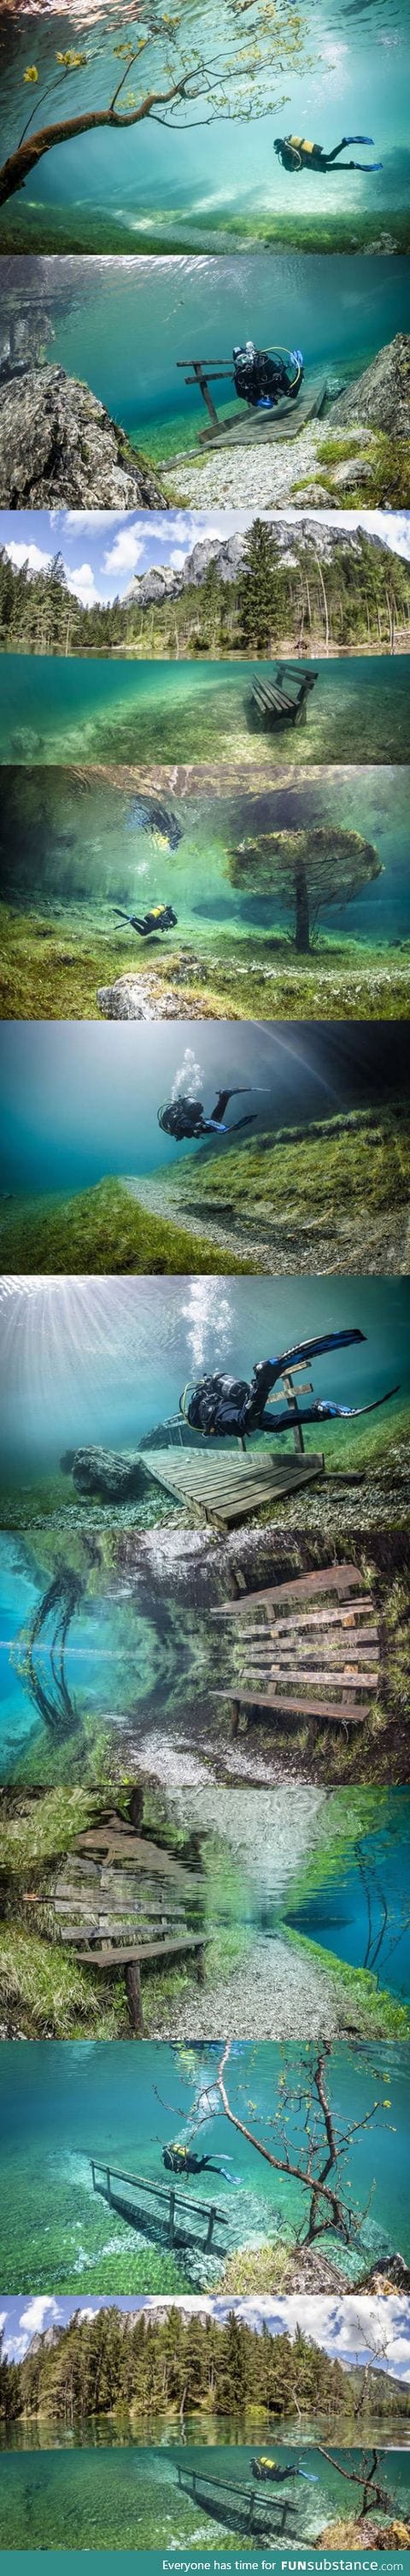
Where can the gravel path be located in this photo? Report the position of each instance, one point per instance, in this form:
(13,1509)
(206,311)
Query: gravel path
(271,1993)
(380,1246)
(266,475)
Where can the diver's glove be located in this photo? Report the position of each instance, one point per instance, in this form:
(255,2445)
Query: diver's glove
(296,356)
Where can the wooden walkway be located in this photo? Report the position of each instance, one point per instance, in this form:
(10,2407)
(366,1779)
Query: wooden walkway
(242,2507)
(221,1485)
(316,1647)
(161,2222)
(249,427)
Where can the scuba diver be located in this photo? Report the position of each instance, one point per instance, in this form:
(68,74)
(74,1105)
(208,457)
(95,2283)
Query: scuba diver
(184,1118)
(262,377)
(230,1407)
(181,2160)
(266,2467)
(296,153)
(160,917)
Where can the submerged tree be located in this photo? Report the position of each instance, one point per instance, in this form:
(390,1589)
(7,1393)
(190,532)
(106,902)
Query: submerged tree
(226,63)
(305,870)
(49,1628)
(302,2136)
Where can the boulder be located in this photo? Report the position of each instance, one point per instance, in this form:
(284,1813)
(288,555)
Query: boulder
(106,1473)
(354,469)
(59,444)
(380,399)
(139,997)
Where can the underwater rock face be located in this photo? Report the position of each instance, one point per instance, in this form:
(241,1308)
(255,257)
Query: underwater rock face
(57,443)
(381,397)
(105,1472)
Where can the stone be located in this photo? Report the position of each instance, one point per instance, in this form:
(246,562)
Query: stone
(59,444)
(139,997)
(104,1472)
(381,397)
(355,469)
(313,497)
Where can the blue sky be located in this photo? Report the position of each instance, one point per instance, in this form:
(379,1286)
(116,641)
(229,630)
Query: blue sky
(350,2330)
(103,548)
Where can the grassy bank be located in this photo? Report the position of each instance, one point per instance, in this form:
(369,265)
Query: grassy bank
(332,1183)
(103,1230)
(51,973)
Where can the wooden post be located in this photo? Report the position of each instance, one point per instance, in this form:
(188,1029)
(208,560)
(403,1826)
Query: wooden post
(171,2217)
(134,1996)
(93,2171)
(204,388)
(200,1966)
(235,1709)
(211,2222)
(108,2179)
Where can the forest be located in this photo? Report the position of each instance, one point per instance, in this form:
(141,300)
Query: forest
(356,598)
(177,2362)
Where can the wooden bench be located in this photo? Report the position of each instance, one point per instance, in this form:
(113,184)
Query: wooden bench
(314,1649)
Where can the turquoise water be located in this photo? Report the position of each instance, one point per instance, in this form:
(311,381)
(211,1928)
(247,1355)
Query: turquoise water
(73,858)
(189,181)
(61,2104)
(123,325)
(77,1109)
(106,1360)
(79,711)
(362,1913)
(97,2499)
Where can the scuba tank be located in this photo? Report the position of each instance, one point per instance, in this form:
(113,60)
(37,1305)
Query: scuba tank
(262,376)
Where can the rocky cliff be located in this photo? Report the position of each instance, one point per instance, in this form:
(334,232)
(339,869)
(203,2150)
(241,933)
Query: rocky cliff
(293,543)
(380,399)
(58,444)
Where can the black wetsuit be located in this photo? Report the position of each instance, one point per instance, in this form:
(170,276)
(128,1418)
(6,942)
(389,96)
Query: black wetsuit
(296,153)
(184,1118)
(161,918)
(228,1407)
(181,2160)
(258,377)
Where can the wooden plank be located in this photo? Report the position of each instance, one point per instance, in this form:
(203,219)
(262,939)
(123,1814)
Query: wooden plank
(115,1956)
(337,1713)
(229,1484)
(330,1578)
(323,1619)
(349,1677)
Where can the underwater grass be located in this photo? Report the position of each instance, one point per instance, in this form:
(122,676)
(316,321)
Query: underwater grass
(45,974)
(366,1167)
(104,1230)
(375,2014)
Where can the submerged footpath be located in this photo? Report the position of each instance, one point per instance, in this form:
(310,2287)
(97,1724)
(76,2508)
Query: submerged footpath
(270,1987)
(331,1196)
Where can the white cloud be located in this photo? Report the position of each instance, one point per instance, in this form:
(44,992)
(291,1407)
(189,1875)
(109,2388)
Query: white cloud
(31,555)
(88,518)
(177,559)
(81,580)
(126,552)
